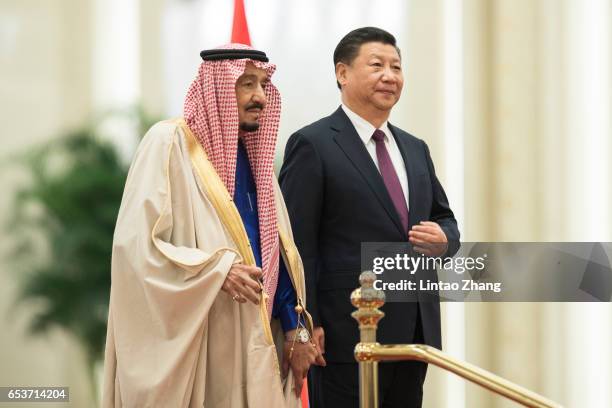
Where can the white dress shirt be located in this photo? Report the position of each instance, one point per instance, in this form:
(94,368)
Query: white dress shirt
(365,130)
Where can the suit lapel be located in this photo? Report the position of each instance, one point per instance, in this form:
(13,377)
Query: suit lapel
(351,144)
(409,162)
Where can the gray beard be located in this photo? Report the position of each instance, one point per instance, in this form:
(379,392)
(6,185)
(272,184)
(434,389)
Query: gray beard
(249,127)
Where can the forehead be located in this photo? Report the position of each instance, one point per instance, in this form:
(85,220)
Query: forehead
(378,49)
(251,70)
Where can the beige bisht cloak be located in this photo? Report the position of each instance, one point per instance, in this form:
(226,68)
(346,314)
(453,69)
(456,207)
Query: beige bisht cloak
(175,339)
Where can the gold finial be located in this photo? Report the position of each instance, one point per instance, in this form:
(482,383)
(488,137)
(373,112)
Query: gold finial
(367,300)
(367,296)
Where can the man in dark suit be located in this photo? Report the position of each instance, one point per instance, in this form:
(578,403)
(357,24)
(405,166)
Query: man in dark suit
(349,178)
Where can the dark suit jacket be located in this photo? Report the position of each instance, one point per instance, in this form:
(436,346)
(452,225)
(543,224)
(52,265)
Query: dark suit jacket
(337,199)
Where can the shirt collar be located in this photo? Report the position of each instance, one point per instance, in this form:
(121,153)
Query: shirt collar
(364,129)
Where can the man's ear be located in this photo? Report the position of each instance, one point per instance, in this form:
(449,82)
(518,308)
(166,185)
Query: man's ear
(341,71)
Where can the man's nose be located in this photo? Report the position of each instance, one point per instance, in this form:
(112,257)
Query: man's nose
(389,75)
(259,96)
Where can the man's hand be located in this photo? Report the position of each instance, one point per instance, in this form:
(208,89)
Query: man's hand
(428,238)
(242,283)
(318,337)
(302,357)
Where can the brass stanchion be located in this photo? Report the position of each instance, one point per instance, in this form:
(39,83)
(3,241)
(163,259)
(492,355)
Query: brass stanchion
(368,352)
(367,300)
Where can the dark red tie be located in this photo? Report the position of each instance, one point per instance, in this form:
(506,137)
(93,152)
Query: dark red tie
(385,165)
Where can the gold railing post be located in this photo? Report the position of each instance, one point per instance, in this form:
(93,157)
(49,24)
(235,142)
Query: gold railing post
(368,352)
(367,300)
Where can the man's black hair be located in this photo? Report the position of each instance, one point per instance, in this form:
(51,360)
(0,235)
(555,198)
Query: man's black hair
(348,48)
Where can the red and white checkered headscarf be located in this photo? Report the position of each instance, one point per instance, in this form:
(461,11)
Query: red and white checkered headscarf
(211,112)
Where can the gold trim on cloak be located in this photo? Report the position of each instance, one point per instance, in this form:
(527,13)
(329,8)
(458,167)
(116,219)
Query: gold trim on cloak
(291,258)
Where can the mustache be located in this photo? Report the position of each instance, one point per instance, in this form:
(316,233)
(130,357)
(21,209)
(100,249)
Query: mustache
(254,105)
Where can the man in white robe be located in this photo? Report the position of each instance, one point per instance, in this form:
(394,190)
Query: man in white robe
(196,315)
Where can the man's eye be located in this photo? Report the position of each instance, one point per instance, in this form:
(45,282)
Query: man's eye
(376,64)
(397,67)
